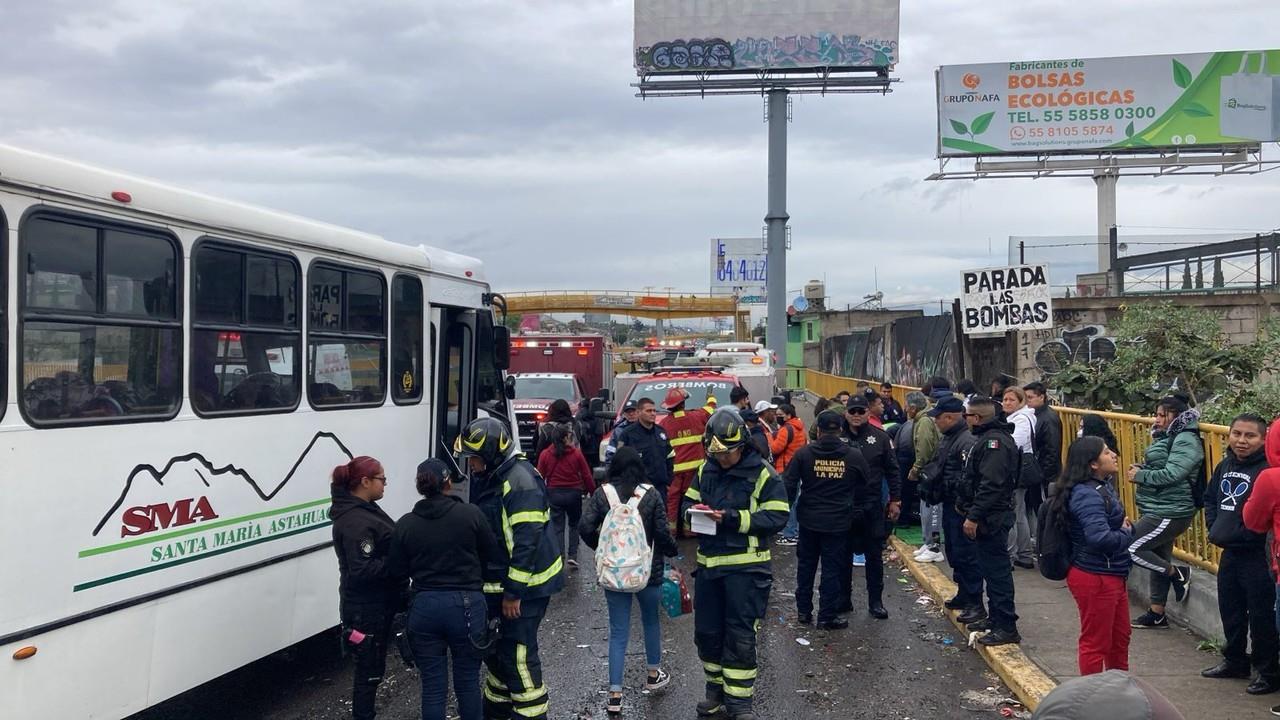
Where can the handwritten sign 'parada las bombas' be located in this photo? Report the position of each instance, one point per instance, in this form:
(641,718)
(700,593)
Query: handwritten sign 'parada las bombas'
(1006,298)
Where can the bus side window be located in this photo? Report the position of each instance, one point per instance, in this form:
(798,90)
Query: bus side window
(347,337)
(455,406)
(246,337)
(101,329)
(489,390)
(406,339)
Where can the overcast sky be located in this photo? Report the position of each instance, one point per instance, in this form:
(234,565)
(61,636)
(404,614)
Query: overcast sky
(509,130)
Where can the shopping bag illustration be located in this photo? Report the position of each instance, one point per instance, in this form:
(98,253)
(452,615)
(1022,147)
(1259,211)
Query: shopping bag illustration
(1249,103)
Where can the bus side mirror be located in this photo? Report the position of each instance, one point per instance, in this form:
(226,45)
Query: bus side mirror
(501,347)
(509,388)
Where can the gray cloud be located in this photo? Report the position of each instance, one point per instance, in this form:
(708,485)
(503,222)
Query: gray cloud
(509,130)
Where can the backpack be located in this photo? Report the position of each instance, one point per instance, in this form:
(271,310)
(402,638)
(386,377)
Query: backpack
(624,557)
(1197,480)
(1053,540)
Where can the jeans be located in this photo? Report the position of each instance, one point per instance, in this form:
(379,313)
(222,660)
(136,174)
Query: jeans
(566,503)
(792,529)
(832,550)
(962,556)
(1019,546)
(930,522)
(997,575)
(1245,597)
(1152,549)
(1103,602)
(620,629)
(443,623)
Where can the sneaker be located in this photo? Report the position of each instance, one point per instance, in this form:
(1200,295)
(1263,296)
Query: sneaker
(572,563)
(613,705)
(1180,582)
(1150,621)
(930,556)
(859,560)
(981,626)
(1000,637)
(657,680)
(920,551)
(786,541)
(1275,710)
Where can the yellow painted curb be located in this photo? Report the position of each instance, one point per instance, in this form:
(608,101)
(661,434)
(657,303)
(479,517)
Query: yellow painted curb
(1027,681)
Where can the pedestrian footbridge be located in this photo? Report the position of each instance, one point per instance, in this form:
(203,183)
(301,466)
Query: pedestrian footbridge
(655,306)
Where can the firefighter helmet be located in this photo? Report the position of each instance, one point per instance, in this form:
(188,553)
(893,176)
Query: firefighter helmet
(675,398)
(486,438)
(725,432)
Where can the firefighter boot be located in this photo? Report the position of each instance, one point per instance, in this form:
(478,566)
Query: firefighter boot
(713,705)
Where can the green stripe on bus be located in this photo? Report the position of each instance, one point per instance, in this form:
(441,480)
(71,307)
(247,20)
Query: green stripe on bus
(185,560)
(199,527)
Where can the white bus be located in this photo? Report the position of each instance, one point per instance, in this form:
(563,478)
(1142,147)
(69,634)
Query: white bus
(178,376)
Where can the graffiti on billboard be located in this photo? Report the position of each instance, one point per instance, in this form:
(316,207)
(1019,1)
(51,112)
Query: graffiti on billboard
(822,49)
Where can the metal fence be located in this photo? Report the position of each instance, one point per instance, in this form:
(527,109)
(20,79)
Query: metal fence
(1133,435)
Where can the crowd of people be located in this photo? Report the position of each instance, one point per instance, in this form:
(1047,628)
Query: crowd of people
(981,475)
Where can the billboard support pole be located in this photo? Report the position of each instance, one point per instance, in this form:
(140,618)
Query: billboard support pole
(776,222)
(1106,182)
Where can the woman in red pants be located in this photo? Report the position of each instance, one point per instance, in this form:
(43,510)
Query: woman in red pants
(1100,538)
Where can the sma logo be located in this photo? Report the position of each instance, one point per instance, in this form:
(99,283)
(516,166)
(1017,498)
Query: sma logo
(143,519)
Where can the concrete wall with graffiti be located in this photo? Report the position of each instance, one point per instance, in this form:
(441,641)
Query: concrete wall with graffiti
(906,351)
(1080,329)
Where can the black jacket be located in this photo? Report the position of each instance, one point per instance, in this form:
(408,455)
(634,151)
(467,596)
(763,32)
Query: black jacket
(653,512)
(513,498)
(1048,444)
(831,477)
(985,493)
(442,545)
(941,477)
(755,506)
(654,448)
(893,413)
(882,462)
(760,441)
(1231,486)
(362,540)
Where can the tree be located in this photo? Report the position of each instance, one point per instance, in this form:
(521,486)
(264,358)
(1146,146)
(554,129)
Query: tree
(619,333)
(1163,347)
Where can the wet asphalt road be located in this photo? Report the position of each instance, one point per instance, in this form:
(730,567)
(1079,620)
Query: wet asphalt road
(909,667)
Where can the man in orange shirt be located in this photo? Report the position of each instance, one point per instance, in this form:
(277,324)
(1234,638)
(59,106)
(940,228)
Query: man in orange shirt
(788,438)
(684,431)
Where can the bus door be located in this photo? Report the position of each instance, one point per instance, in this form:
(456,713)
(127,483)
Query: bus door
(469,372)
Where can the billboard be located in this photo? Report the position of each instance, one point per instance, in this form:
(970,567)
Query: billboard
(739,267)
(994,300)
(1119,103)
(699,35)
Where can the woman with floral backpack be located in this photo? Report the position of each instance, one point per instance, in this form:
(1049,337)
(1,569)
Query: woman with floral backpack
(626,480)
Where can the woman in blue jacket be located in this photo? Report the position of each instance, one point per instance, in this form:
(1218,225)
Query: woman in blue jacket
(1100,538)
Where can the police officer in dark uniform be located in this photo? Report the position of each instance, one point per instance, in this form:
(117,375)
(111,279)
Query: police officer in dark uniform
(985,500)
(648,438)
(867,536)
(830,477)
(748,503)
(939,481)
(519,582)
(368,595)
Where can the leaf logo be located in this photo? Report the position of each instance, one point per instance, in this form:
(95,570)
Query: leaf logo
(971,81)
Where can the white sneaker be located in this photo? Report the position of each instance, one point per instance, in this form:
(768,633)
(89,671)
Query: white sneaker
(920,551)
(930,556)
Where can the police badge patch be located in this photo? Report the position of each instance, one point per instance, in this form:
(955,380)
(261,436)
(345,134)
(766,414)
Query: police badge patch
(366,546)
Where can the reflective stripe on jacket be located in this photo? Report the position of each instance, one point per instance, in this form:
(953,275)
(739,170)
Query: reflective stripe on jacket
(684,433)
(755,506)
